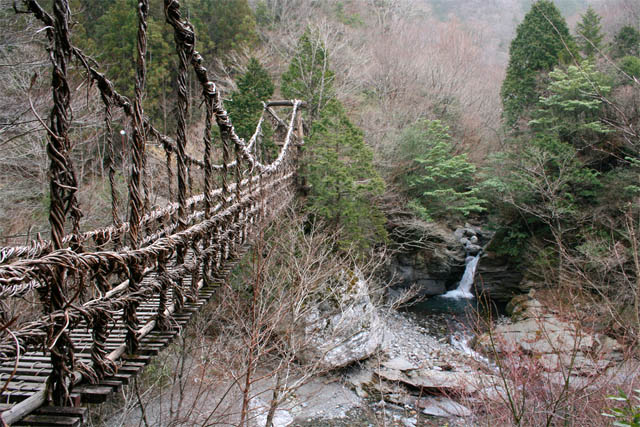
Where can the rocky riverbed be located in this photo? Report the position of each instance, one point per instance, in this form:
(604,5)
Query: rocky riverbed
(406,383)
(421,377)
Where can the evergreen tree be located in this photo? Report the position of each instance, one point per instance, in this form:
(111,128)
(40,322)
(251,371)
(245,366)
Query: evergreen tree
(338,165)
(589,35)
(254,87)
(114,41)
(440,182)
(547,182)
(541,188)
(540,44)
(229,24)
(572,110)
(631,65)
(339,170)
(308,76)
(626,42)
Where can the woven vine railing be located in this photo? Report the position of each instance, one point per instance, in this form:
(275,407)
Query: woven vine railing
(96,278)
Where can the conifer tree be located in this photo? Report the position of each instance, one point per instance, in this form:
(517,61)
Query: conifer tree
(573,109)
(339,169)
(308,76)
(114,43)
(626,42)
(254,87)
(229,24)
(541,42)
(440,182)
(338,165)
(589,33)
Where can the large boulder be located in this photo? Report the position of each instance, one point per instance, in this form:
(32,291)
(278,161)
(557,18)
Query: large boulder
(342,330)
(557,344)
(431,259)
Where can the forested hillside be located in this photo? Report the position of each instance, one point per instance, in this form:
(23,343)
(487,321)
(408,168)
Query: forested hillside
(519,116)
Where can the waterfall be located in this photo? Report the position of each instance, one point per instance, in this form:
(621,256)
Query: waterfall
(464,287)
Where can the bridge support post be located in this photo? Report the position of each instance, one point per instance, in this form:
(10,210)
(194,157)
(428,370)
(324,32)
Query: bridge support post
(101,365)
(195,270)
(63,187)
(165,282)
(59,343)
(129,312)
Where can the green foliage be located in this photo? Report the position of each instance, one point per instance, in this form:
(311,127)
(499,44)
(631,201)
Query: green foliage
(631,65)
(339,170)
(540,187)
(264,17)
(589,33)
(629,414)
(440,182)
(90,12)
(572,110)
(338,164)
(200,18)
(621,186)
(511,240)
(113,42)
(541,42)
(346,18)
(108,30)
(229,24)
(117,47)
(254,87)
(308,77)
(626,42)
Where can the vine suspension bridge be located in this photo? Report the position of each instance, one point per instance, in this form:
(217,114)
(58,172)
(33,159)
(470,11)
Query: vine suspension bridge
(83,312)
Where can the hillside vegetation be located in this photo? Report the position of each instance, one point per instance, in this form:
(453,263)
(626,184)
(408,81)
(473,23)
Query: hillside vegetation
(520,115)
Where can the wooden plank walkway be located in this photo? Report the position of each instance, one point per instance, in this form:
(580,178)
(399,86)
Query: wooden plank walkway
(34,367)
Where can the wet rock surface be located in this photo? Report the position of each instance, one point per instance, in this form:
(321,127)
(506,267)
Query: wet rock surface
(418,372)
(434,261)
(436,267)
(498,278)
(393,386)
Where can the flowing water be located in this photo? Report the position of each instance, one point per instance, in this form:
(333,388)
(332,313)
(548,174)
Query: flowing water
(457,315)
(464,287)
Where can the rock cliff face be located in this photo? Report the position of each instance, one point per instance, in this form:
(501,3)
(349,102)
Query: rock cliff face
(434,263)
(437,263)
(498,278)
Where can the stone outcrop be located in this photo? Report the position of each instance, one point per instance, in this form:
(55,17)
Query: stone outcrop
(416,370)
(433,265)
(437,263)
(433,381)
(342,330)
(558,345)
(498,278)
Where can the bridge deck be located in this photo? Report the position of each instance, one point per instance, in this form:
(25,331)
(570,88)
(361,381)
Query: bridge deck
(29,376)
(69,275)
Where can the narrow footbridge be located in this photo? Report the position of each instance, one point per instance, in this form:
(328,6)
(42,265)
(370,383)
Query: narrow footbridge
(83,311)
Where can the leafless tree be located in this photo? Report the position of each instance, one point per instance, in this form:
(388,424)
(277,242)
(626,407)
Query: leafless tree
(241,360)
